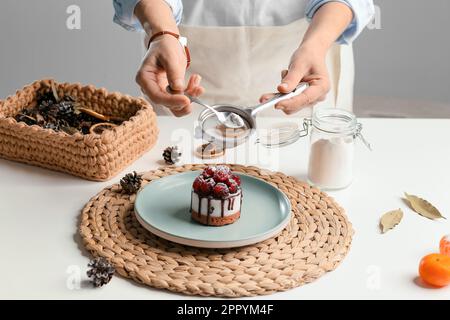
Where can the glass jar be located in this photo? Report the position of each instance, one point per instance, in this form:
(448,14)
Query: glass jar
(332,141)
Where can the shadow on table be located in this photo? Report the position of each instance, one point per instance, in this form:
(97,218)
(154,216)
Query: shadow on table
(34,175)
(420,283)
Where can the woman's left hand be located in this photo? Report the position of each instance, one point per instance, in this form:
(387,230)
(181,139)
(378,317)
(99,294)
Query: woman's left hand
(307,65)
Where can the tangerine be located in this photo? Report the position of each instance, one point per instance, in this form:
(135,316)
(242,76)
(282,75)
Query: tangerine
(434,269)
(444,245)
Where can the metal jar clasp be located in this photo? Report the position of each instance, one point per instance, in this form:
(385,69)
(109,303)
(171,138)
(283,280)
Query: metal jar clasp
(359,135)
(307,122)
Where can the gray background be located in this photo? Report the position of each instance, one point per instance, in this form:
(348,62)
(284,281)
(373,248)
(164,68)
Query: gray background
(402,69)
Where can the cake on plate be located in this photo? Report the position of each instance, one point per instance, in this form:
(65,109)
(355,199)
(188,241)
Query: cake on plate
(216,197)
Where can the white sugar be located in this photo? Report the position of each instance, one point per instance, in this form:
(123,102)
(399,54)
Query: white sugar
(331,162)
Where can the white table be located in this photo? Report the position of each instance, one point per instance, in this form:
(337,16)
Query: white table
(41,252)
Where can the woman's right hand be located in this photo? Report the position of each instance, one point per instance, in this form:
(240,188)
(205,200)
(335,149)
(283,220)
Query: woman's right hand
(163,65)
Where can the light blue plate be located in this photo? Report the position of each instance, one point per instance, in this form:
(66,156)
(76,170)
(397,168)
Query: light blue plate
(162,207)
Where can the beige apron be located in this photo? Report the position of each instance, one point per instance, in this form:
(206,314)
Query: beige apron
(239,64)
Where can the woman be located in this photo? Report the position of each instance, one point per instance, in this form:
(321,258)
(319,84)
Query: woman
(239,48)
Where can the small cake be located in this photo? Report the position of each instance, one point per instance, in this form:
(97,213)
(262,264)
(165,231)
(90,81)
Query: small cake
(216,197)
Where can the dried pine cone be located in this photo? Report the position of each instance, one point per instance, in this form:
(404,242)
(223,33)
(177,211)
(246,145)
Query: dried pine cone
(101,271)
(66,111)
(131,183)
(171,155)
(51,125)
(46,98)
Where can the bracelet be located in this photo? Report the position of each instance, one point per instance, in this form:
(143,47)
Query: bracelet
(177,36)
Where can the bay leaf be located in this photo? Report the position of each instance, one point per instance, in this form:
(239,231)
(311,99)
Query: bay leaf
(423,207)
(390,219)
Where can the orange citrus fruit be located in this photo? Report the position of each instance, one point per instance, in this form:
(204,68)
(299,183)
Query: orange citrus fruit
(434,269)
(444,245)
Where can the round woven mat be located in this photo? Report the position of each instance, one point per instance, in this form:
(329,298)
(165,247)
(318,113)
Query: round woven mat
(315,241)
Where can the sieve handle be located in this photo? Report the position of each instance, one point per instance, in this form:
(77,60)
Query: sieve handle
(279,97)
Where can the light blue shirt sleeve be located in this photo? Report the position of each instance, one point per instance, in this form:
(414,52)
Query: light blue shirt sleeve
(363,12)
(124,13)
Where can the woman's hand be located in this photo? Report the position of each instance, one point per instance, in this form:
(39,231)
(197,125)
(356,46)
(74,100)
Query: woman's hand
(307,65)
(164,65)
(308,61)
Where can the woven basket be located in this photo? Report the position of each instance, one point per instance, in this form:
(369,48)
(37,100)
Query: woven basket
(96,157)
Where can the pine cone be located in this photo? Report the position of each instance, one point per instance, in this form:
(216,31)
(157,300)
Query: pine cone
(171,155)
(51,125)
(101,271)
(46,98)
(66,111)
(131,183)
(48,109)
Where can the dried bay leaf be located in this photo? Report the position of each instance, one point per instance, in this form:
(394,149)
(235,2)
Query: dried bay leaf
(423,207)
(390,219)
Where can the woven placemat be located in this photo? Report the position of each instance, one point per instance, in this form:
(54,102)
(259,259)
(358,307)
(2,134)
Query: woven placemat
(315,241)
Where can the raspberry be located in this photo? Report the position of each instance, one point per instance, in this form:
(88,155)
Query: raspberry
(197,183)
(211,182)
(232,186)
(222,174)
(208,172)
(207,186)
(223,168)
(203,186)
(221,190)
(236,178)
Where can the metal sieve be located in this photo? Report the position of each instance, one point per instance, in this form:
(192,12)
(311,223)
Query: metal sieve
(210,130)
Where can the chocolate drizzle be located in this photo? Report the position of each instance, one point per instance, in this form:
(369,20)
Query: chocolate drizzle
(208,208)
(199,211)
(231,201)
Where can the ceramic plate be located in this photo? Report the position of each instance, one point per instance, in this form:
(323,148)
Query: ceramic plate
(162,207)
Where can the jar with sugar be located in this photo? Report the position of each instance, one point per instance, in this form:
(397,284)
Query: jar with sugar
(332,142)
(333,133)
